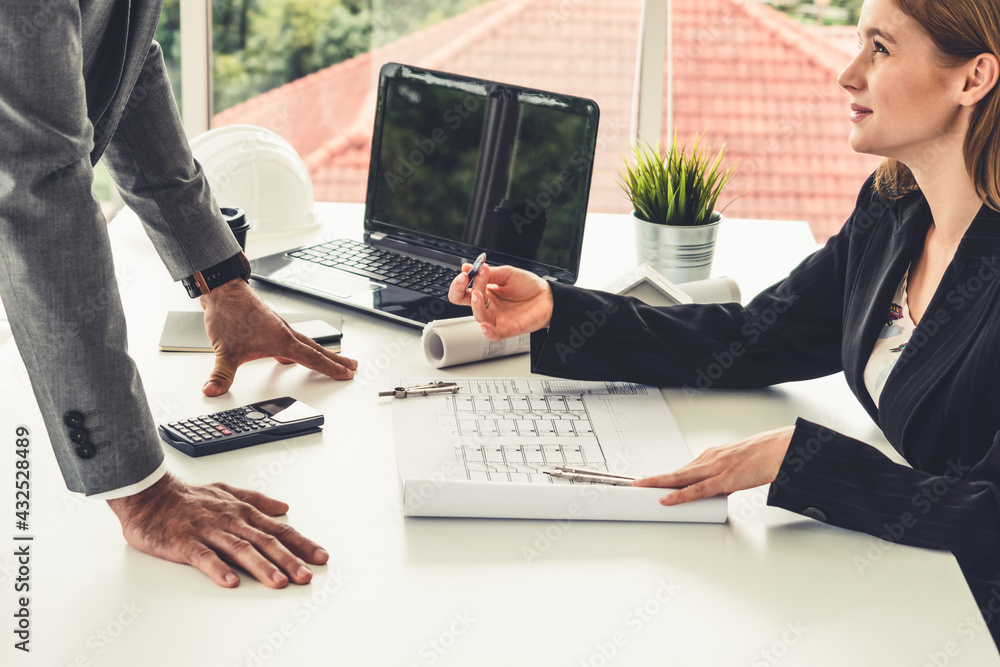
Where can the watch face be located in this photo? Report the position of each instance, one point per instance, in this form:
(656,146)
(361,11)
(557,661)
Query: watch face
(204,281)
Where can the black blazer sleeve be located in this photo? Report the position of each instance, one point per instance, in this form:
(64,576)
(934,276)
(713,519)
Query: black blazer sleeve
(848,483)
(791,331)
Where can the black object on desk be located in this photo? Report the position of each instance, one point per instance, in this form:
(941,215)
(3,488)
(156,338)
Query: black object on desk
(253,424)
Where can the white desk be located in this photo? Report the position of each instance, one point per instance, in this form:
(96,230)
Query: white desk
(767,588)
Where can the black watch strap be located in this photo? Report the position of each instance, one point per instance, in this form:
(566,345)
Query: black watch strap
(202,282)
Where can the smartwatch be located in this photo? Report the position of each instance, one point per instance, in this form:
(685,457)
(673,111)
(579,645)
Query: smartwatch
(202,282)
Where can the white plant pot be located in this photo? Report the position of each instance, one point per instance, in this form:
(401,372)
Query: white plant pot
(681,253)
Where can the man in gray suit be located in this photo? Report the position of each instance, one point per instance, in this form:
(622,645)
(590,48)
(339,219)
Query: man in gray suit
(82,79)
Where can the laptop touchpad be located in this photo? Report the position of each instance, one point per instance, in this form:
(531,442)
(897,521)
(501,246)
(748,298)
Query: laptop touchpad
(329,281)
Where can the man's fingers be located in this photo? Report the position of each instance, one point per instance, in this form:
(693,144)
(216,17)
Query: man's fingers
(244,553)
(292,540)
(206,560)
(264,504)
(298,543)
(221,378)
(275,550)
(268,507)
(307,352)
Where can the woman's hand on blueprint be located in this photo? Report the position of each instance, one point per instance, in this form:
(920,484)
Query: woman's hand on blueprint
(505,301)
(723,470)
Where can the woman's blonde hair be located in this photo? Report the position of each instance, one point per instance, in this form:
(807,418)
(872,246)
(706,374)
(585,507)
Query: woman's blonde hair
(962,30)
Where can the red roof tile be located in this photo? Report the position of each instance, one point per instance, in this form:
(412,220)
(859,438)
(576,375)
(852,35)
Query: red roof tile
(744,74)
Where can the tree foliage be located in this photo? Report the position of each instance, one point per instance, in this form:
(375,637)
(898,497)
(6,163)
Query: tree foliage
(261,44)
(806,10)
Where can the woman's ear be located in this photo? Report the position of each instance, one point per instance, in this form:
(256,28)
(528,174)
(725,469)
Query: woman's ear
(983,72)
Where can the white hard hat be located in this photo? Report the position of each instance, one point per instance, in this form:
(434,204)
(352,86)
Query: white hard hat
(257,170)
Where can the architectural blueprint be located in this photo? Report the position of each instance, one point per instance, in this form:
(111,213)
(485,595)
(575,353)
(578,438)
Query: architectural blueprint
(506,432)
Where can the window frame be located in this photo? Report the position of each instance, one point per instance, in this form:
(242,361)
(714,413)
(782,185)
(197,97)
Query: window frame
(655,44)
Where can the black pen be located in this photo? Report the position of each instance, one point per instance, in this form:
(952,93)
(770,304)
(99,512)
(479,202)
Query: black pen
(476,265)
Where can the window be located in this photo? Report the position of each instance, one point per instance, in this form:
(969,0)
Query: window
(757,75)
(762,79)
(308,70)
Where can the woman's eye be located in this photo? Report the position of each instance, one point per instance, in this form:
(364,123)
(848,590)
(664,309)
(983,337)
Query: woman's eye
(878,47)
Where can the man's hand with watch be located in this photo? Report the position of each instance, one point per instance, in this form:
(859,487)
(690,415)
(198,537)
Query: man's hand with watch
(242,328)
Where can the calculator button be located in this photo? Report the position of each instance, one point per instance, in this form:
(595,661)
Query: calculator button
(196,439)
(256,416)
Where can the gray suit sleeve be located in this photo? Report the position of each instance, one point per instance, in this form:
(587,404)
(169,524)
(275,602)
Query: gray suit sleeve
(151,162)
(57,279)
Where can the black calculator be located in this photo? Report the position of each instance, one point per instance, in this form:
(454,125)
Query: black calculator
(253,424)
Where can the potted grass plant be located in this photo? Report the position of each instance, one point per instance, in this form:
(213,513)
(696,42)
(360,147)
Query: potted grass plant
(674,197)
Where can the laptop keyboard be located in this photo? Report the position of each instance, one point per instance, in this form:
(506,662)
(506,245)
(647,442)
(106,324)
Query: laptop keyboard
(385,266)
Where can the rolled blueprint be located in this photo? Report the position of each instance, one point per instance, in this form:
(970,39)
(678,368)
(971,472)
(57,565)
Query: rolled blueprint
(460,341)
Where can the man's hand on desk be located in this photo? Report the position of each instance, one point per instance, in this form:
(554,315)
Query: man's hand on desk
(505,301)
(723,470)
(210,526)
(243,328)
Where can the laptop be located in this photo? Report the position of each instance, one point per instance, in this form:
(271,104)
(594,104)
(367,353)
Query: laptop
(459,166)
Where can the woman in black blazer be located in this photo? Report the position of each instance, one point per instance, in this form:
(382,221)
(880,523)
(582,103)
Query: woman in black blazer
(923,238)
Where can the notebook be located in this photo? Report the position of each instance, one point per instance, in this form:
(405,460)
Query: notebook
(459,166)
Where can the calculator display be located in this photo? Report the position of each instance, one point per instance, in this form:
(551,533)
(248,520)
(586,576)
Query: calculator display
(274,407)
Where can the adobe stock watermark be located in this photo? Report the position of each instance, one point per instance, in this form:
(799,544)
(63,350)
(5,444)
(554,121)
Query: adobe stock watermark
(319,594)
(787,127)
(245,155)
(710,34)
(779,648)
(265,475)
(578,334)
(382,17)
(564,10)
(434,648)
(588,495)
(922,503)
(370,369)
(751,332)
(418,493)
(44,17)
(966,631)
(424,148)
(958,298)
(103,638)
(534,209)
(633,622)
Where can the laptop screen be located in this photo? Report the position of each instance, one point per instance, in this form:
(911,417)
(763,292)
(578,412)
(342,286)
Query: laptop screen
(465,165)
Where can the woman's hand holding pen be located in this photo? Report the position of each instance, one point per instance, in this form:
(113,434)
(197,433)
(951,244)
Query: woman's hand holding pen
(723,470)
(505,301)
